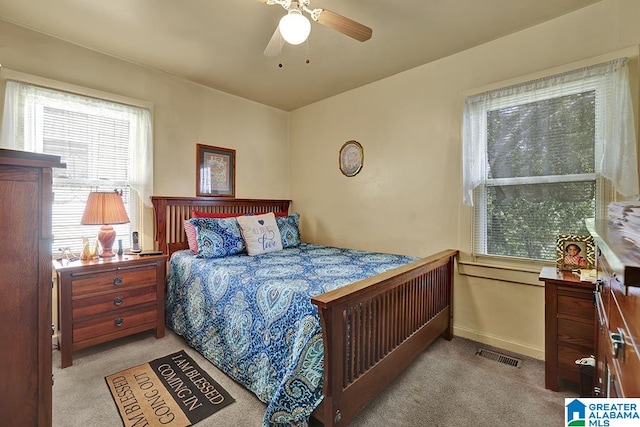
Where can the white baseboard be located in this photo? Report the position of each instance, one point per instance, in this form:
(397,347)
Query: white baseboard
(510,346)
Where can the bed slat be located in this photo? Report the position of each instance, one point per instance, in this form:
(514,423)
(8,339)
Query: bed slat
(376,327)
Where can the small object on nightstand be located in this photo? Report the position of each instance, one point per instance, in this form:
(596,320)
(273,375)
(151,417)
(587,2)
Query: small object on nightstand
(84,255)
(588,275)
(120,251)
(150,253)
(135,248)
(65,253)
(88,250)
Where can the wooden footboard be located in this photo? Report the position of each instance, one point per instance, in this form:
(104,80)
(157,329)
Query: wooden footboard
(372,329)
(375,328)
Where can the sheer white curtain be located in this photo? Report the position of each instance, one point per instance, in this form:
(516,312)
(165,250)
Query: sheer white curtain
(105,144)
(22,130)
(616,152)
(141,157)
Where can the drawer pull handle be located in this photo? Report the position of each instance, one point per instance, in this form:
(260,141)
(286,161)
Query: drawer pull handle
(118,322)
(617,342)
(599,286)
(118,300)
(117,281)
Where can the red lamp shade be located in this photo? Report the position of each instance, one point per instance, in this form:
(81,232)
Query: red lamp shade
(105,208)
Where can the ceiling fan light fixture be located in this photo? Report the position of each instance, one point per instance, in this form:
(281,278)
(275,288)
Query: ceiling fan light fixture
(294,27)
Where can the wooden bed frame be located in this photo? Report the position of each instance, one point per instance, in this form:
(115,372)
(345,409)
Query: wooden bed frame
(372,329)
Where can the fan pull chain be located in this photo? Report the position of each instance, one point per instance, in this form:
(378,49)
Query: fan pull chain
(306,61)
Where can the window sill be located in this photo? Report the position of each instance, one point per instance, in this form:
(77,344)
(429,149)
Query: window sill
(523,272)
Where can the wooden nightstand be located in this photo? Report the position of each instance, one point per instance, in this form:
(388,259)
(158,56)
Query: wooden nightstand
(570,325)
(104,299)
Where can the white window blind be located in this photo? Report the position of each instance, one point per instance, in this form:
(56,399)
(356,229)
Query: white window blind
(102,143)
(536,156)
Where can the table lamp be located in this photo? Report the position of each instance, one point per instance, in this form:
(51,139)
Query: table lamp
(105,208)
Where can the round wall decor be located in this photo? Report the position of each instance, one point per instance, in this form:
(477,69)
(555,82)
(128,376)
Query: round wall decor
(351,158)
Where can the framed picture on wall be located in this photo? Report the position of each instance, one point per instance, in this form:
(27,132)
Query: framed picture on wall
(350,158)
(575,252)
(215,171)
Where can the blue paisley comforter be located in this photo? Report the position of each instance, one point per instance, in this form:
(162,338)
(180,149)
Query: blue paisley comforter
(253,317)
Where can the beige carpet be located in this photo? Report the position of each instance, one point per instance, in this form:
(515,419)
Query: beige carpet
(448,386)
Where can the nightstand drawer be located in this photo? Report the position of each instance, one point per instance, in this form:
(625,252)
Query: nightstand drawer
(112,280)
(567,356)
(113,323)
(578,304)
(106,303)
(576,333)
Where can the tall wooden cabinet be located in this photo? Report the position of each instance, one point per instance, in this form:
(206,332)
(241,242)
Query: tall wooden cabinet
(25,287)
(618,303)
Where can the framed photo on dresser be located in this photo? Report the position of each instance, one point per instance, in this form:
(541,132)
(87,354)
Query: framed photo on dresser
(575,252)
(215,171)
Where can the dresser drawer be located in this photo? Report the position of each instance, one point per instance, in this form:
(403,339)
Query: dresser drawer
(626,360)
(116,300)
(567,356)
(113,323)
(576,305)
(577,334)
(110,280)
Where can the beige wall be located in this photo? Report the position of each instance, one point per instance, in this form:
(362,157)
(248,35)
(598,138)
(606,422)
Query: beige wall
(407,198)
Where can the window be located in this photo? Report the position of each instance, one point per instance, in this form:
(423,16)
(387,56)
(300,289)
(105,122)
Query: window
(539,156)
(106,146)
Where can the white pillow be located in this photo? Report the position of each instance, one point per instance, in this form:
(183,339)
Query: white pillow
(260,233)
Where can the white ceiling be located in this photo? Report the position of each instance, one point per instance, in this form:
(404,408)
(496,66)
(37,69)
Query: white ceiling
(220,43)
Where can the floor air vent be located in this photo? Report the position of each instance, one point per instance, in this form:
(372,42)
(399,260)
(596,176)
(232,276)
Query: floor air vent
(502,358)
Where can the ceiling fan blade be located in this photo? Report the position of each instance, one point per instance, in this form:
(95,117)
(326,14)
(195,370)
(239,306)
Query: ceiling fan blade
(344,25)
(274,47)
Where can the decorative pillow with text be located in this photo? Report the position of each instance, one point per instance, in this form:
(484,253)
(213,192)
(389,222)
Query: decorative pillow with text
(260,233)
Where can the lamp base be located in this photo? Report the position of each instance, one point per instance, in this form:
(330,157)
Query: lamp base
(107,254)
(106,237)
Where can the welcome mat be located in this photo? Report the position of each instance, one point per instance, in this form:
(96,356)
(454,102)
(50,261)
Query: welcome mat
(170,391)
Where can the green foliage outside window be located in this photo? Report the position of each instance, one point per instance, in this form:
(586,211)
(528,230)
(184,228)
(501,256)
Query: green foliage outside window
(542,144)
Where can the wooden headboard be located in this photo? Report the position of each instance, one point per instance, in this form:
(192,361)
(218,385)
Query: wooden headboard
(170,213)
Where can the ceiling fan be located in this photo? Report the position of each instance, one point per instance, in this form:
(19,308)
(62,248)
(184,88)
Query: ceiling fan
(300,25)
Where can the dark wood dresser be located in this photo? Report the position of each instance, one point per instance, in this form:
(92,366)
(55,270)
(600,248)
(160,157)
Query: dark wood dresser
(103,299)
(618,303)
(570,325)
(25,287)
